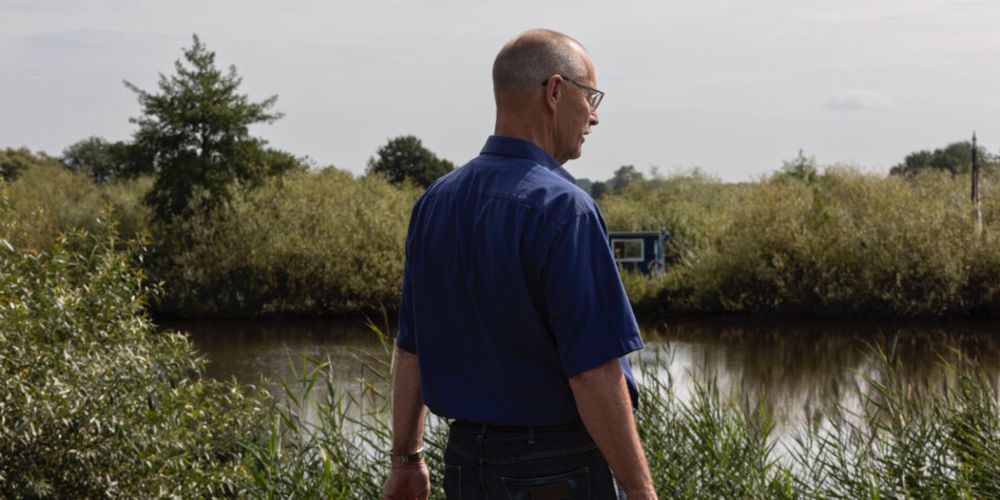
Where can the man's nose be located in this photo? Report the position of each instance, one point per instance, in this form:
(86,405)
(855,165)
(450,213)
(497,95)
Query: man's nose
(594,120)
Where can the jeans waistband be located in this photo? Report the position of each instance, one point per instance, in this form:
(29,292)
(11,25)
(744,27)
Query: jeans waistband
(484,428)
(506,444)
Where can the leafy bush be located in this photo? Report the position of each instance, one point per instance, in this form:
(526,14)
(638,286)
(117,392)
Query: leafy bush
(309,244)
(840,243)
(94,402)
(15,161)
(694,207)
(49,200)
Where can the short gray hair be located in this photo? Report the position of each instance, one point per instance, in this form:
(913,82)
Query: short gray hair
(531,57)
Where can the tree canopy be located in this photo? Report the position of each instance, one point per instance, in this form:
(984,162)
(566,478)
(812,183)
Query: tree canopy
(802,167)
(624,176)
(14,161)
(99,159)
(405,157)
(194,135)
(955,158)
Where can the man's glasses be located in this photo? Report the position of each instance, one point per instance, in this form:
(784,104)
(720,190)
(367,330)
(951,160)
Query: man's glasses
(594,96)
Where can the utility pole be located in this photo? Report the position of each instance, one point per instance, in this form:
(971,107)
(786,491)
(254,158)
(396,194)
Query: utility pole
(977,212)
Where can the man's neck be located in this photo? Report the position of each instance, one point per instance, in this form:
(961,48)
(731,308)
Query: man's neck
(531,130)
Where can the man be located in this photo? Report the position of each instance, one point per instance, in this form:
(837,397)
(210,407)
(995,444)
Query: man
(513,320)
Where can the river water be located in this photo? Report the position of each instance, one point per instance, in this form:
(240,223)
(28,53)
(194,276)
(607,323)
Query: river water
(801,369)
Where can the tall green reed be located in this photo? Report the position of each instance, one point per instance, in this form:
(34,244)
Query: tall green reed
(707,446)
(332,441)
(908,441)
(932,443)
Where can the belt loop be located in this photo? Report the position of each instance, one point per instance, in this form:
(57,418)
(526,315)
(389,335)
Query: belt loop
(482,453)
(531,435)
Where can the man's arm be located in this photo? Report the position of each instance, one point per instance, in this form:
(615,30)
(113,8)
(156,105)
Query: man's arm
(407,481)
(603,401)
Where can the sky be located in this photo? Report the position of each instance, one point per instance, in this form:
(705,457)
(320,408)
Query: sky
(732,87)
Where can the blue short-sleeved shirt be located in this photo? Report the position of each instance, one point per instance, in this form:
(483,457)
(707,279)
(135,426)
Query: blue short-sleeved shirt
(510,289)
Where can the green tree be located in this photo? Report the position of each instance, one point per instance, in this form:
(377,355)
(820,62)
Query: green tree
(194,134)
(955,158)
(802,167)
(15,161)
(625,175)
(99,159)
(597,189)
(405,157)
(278,162)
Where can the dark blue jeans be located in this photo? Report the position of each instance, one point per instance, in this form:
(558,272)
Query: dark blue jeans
(529,463)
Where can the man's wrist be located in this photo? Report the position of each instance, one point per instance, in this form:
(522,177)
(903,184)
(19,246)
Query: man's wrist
(404,458)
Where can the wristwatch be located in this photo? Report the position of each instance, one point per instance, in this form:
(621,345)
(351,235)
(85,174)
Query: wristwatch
(407,458)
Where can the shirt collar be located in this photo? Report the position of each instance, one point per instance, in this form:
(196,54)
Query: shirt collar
(512,146)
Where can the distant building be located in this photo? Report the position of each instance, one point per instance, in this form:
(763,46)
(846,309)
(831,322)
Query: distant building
(641,251)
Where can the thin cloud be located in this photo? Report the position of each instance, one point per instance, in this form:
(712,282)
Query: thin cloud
(856,100)
(94,39)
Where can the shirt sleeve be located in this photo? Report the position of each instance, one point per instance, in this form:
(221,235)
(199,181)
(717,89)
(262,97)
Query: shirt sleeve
(405,338)
(588,311)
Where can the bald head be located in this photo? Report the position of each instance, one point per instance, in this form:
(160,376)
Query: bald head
(533,56)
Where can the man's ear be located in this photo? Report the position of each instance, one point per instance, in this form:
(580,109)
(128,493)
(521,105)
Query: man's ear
(553,91)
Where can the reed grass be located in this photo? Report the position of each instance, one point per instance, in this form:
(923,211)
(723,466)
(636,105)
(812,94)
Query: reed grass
(903,443)
(907,441)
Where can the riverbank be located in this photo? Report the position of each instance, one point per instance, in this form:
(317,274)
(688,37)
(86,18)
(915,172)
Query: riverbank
(322,244)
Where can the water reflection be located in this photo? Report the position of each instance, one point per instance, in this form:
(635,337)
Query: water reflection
(800,369)
(804,370)
(269,352)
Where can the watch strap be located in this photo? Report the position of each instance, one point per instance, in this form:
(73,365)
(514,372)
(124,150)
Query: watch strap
(407,458)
